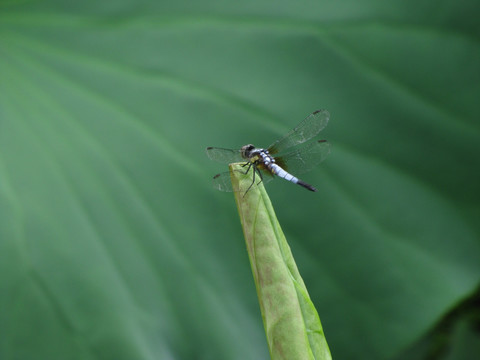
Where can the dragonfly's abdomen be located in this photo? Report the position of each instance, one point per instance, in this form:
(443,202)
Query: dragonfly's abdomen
(277,170)
(269,162)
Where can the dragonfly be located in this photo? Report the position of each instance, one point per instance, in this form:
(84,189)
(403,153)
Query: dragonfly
(297,152)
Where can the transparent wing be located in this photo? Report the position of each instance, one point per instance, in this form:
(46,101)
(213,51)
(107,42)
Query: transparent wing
(304,158)
(224,156)
(307,129)
(223,181)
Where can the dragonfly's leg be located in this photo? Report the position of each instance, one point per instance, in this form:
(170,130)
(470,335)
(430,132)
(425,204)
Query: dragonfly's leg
(253,182)
(243,165)
(259,174)
(249,166)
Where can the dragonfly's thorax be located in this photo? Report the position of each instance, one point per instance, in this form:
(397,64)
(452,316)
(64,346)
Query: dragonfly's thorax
(253,154)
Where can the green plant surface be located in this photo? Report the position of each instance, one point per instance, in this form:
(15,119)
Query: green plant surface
(291,322)
(113,244)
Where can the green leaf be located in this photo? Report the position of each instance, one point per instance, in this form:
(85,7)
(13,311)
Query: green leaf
(290,319)
(113,243)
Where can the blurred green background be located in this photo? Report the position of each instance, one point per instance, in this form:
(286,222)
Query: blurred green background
(114,245)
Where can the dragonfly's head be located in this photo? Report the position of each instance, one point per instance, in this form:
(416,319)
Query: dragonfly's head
(247,151)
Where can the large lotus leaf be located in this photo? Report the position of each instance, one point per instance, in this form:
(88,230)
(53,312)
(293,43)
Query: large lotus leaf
(113,244)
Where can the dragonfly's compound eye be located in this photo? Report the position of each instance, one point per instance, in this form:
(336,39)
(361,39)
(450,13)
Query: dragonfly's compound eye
(247,151)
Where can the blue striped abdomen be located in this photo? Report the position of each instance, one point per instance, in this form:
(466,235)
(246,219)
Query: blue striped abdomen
(277,170)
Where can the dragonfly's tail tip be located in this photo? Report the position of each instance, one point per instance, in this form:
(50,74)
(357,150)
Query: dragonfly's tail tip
(307,186)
